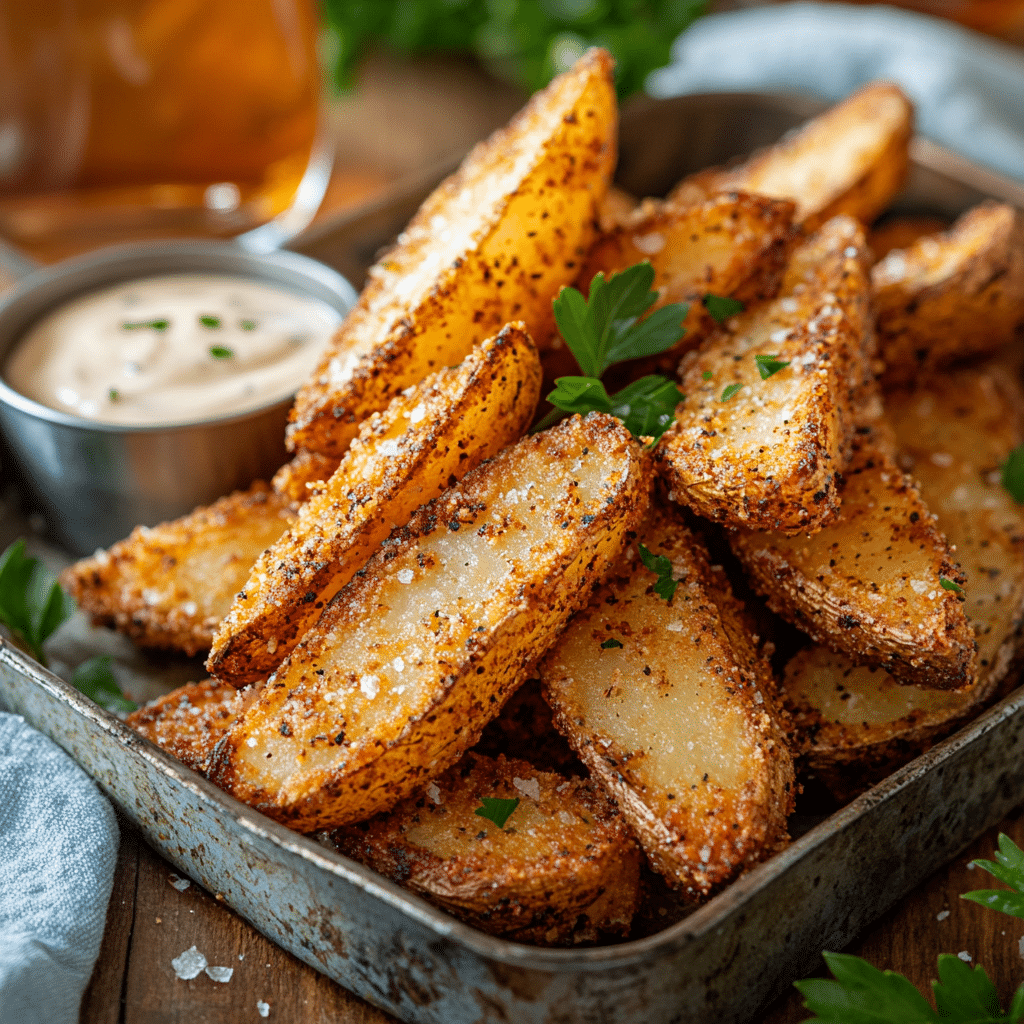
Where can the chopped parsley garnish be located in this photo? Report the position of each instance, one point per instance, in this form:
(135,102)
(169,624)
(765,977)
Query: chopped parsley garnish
(611,643)
(729,390)
(947,584)
(721,307)
(1013,474)
(706,375)
(220,352)
(769,365)
(212,322)
(496,809)
(247,325)
(114,395)
(660,565)
(140,325)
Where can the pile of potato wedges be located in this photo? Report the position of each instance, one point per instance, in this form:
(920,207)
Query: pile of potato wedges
(433,616)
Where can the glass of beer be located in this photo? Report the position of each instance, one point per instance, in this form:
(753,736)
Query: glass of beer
(131,119)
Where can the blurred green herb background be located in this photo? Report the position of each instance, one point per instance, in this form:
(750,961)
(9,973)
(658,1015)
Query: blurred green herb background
(526,42)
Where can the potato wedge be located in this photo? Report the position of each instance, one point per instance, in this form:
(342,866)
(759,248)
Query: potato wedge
(426,440)
(411,659)
(170,585)
(732,244)
(954,433)
(868,584)
(189,721)
(296,480)
(852,160)
(494,243)
(670,706)
(563,870)
(763,453)
(951,296)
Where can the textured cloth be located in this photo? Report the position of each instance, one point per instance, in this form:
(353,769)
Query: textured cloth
(58,837)
(968,89)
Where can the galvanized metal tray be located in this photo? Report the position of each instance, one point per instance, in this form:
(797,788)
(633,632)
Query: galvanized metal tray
(724,961)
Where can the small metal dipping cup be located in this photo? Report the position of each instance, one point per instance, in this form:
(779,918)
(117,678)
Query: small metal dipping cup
(94,482)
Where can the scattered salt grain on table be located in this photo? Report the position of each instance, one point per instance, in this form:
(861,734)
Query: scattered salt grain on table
(965,956)
(262,1008)
(181,884)
(189,965)
(221,974)
(942,915)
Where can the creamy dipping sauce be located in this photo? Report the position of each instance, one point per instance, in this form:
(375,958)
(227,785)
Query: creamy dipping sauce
(178,348)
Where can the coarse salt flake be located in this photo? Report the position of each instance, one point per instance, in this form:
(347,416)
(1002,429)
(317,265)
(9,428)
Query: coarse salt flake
(649,244)
(919,586)
(221,974)
(675,627)
(251,741)
(418,413)
(404,575)
(370,685)
(942,459)
(262,1008)
(942,915)
(531,787)
(434,793)
(964,955)
(389,446)
(189,964)
(566,818)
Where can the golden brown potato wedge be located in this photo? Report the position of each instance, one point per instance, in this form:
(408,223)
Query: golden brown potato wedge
(902,232)
(296,480)
(670,706)
(563,870)
(730,245)
(954,433)
(763,453)
(852,160)
(170,585)
(951,296)
(868,584)
(494,243)
(426,440)
(412,658)
(189,721)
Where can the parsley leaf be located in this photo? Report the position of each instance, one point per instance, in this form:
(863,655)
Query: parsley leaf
(964,994)
(32,605)
(603,329)
(769,365)
(646,407)
(496,809)
(114,395)
(662,566)
(153,325)
(247,325)
(722,307)
(96,681)
(947,584)
(729,390)
(1008,868)
(220,352)
(1013,474)
(580,394)
(706,375)
(610,644)
(212,322)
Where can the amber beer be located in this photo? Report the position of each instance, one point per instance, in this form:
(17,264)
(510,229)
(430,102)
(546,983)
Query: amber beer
(139,118)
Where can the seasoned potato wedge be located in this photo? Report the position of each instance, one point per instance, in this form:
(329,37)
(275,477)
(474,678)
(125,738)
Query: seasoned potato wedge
(170,585)
(428,438)
(763,453)
(670,706)
(732,244)
(951,296)
(297,479)
(494,243)
(563,870)
(868,584)
(852,159)
(953,433)
(411,659)
(189,721)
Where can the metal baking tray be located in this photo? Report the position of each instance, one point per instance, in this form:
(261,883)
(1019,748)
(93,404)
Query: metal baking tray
(724,961)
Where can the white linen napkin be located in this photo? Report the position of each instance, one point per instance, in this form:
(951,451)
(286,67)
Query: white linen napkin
(968,89)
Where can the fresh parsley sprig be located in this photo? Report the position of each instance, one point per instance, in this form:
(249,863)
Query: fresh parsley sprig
(497,809)
(662,567)
(33,607)
(646,406)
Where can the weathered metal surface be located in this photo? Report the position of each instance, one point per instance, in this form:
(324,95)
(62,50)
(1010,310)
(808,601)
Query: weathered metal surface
(721,963)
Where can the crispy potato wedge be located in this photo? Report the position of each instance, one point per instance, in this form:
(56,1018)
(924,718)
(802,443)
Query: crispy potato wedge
(419,651)
(954,433)
(170,585)
(852,160)
(670,706)
(763,453)
(732,244)
(951,296)
(189,721)
(296,480)
(563,870)
(494,243)
(426,440)
(902,232)
(868,583)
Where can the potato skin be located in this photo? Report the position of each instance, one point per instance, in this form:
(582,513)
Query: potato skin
(494,243)
(952,295)
(572,879)
(327,742)
(698,831)
(868,583)
(850,160)
(766,457)
(297,479)
(426,440)
(171,585)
